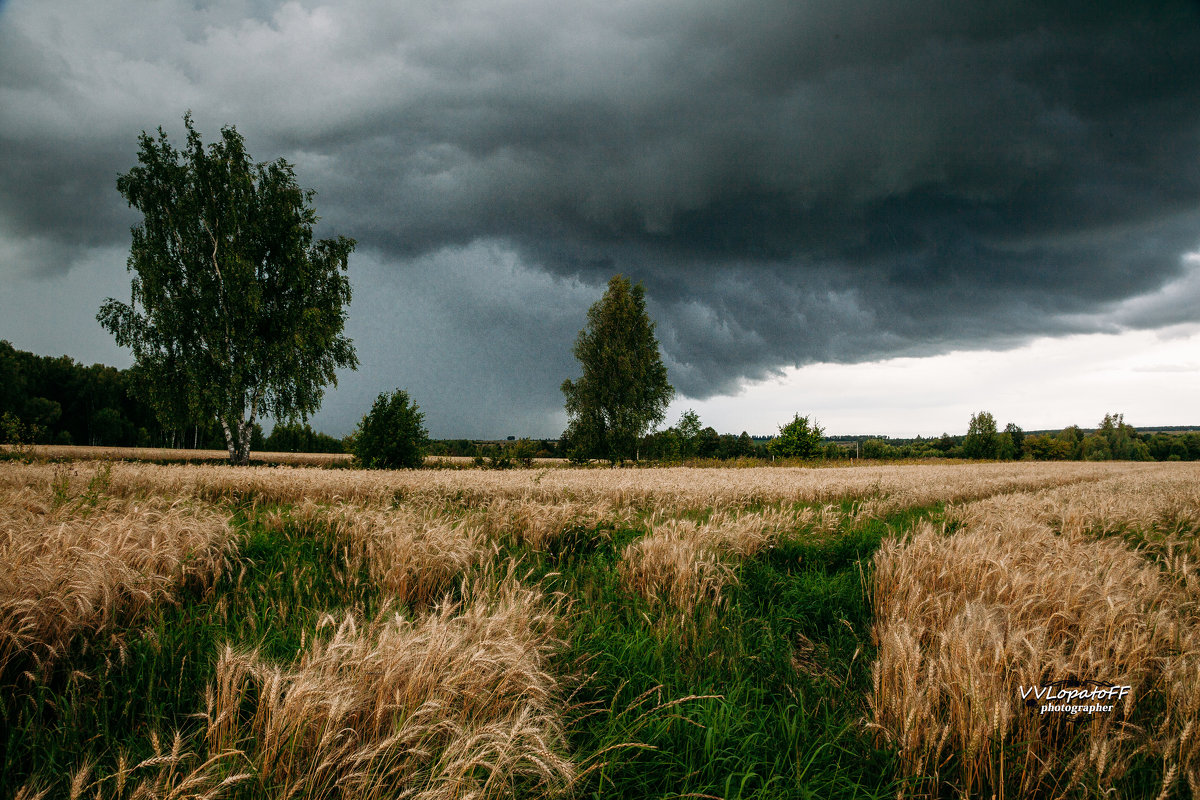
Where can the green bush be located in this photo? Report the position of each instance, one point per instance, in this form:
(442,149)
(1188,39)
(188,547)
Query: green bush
(797,439)
(392,434)
(507,455)
(523,452)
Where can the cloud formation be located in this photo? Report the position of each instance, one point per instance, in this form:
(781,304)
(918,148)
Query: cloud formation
(793,182)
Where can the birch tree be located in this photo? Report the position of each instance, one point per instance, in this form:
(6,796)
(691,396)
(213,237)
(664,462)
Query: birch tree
(235,312)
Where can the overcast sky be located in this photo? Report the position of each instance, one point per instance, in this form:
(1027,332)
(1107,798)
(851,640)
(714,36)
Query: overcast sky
(886,215)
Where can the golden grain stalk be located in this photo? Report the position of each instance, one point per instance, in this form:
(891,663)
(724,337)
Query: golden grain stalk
(457,702)
(74,568)
(1030,591)
(414,555)
(683,565)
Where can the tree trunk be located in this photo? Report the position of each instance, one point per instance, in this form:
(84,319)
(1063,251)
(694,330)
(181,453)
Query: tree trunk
(245,431)
(239,430)
(230,445)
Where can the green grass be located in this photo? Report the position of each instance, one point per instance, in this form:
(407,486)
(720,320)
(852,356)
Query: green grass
(777,679)
(767,725)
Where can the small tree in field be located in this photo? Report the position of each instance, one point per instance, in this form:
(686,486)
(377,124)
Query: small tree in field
(689,430)
(982,439)
(624,389)
(235,311)
(797,439)
(392,435)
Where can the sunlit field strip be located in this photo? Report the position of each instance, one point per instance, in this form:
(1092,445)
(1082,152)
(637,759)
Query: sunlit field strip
(159,454)
(1150,508)
(890,486)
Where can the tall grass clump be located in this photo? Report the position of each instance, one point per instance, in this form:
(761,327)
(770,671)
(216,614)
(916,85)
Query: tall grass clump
(173,772)
(414,555)
(967,621)
(675,569)
(683,565)
(76,565)
(456,702)
(549,526)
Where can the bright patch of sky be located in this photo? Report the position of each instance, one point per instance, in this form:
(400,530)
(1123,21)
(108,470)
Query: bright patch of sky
(1152,377)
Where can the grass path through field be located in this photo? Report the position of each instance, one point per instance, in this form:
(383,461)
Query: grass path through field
(778,673)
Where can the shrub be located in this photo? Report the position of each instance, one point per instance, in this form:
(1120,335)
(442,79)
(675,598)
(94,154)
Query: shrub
(498,456)
(797,439)
(392,434)
(523,452)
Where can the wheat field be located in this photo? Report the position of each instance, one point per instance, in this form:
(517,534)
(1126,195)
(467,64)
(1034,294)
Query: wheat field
(182,630)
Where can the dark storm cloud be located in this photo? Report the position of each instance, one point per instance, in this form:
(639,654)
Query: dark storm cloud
(501,381)
(792,181)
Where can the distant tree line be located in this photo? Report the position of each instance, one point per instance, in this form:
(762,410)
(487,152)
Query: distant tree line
(687,439)
(690,440)
(56,400)
(237,313)
(1112,439)
(48,400)
(298,437)
(487,448)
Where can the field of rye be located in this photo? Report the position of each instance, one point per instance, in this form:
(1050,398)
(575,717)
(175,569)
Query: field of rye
(185,631)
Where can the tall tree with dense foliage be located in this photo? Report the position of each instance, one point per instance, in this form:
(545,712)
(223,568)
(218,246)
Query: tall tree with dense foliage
(235,311)
(982,440)
(623,391)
